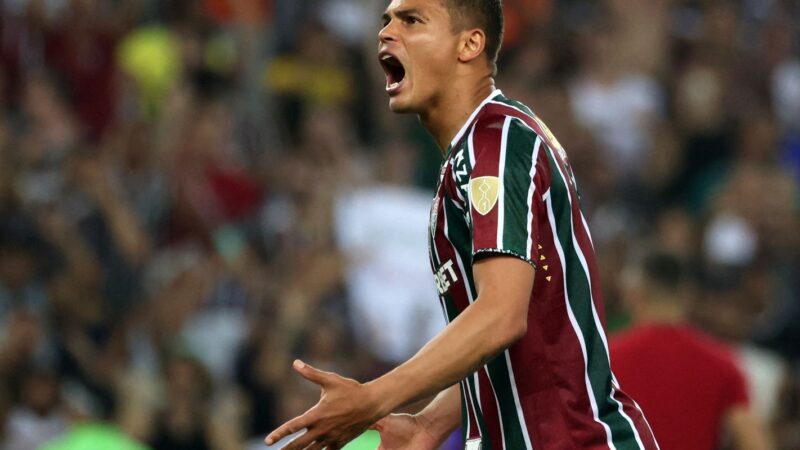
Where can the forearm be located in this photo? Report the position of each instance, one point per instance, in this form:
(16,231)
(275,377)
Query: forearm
(481,332)
(443,414)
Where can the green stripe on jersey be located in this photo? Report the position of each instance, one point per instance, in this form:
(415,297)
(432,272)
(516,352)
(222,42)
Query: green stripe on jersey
(473,391)
(517,181)
(513,103)
(623,434)
(459,235)
(501,380)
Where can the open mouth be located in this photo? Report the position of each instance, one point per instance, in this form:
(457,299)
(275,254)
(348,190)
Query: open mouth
(395,72)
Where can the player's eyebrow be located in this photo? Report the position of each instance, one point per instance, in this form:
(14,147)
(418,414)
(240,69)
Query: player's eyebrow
(402,14)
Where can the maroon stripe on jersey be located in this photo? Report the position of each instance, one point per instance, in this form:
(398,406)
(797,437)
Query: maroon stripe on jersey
(487,137)
(489,407)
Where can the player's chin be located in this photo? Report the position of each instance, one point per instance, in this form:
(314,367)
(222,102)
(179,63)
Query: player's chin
(401,104)
(400,107)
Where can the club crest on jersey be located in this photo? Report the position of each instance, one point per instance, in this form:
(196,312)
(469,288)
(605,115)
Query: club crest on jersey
(551,139)
(483,193)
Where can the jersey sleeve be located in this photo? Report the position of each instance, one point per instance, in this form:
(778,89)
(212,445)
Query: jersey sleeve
(504,201)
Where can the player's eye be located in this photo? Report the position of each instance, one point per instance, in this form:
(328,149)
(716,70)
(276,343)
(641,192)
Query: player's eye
(411,20)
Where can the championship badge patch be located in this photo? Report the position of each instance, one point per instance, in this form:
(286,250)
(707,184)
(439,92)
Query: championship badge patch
(483,193)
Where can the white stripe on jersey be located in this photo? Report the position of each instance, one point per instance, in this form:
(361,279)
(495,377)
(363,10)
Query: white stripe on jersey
(529,247)
(501,191)
(471,150)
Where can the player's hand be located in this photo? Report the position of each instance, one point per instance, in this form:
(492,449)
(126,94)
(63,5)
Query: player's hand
(345,410)
(405,432)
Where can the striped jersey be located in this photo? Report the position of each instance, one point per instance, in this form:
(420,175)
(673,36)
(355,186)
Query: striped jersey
(506,188)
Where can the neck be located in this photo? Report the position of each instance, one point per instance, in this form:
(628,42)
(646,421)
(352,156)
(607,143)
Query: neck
(663,313)
(447,115)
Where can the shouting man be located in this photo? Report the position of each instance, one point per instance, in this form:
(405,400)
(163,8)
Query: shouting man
(523,362)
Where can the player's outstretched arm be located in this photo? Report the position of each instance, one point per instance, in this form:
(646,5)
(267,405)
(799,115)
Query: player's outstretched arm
(487,327)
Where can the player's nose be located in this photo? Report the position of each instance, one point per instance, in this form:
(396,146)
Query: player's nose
(386,34)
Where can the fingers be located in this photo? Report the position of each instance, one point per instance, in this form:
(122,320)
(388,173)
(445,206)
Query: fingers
(313,375)
(302,442)
(290,427)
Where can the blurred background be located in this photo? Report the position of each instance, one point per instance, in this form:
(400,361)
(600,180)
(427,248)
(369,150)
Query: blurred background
(195,192)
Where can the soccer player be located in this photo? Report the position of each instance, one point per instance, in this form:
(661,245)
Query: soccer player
(523,362)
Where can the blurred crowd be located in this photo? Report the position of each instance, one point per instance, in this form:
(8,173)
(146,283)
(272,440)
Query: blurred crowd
(193,193)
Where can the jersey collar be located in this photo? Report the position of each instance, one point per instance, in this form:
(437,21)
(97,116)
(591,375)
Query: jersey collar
(463,130)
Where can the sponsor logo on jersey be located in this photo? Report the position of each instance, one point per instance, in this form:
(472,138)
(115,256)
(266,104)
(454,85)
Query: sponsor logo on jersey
(483,193)
(445,277)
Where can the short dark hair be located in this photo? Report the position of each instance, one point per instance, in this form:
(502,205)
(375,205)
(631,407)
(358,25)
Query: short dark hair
(484,14)
(664,271)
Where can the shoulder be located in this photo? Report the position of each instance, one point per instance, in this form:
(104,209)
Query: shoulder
(500,110)
(518,123)
(714,350)
(691,343)
(499,125)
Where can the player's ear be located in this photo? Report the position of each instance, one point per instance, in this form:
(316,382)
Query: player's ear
(473,43)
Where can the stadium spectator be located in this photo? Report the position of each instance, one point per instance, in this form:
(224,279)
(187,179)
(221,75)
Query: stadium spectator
(688,384)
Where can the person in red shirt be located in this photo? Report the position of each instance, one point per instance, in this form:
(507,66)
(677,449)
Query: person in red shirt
(687,383)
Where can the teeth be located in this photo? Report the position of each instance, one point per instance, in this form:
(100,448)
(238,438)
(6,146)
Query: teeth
(385,57)
(394,85)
